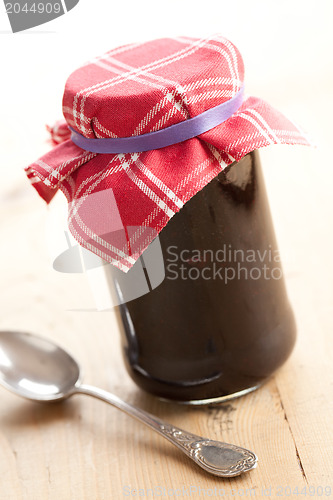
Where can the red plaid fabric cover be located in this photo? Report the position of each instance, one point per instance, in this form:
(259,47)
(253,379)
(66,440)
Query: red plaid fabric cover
(118,203)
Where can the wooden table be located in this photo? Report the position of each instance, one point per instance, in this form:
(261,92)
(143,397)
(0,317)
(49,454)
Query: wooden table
(84,449)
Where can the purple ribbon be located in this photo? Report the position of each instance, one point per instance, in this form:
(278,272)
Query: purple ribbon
(178,132)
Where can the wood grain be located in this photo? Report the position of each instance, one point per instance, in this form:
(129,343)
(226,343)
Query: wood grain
(84,449)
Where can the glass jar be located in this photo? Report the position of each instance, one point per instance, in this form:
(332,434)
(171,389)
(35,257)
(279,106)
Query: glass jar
(220,323)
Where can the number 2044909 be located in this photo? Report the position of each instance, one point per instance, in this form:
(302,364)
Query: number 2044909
(35,8)
(311,491)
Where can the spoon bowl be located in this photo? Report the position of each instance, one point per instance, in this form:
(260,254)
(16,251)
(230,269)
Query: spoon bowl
(35,368)
(38,369)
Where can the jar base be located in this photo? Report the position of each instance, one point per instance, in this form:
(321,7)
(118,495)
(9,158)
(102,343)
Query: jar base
(211,401)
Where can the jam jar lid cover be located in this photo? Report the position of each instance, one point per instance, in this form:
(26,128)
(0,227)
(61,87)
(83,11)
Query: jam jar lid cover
(118,202)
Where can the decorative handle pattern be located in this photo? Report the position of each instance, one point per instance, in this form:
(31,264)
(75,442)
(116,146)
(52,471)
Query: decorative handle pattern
(221,459)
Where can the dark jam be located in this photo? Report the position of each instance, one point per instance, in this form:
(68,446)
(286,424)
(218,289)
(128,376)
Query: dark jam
(220,322)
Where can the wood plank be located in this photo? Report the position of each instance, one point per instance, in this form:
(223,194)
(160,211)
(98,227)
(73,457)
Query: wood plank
(84,449)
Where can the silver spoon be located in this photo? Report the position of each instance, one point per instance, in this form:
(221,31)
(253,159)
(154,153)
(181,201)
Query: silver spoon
(37,369)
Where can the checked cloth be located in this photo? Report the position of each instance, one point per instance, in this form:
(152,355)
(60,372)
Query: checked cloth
(118,203)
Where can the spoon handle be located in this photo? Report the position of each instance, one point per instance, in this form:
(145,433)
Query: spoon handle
(220,459)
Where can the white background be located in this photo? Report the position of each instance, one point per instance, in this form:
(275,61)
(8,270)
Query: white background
(286,46)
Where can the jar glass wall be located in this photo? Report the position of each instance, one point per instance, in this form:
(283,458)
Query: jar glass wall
(220,322)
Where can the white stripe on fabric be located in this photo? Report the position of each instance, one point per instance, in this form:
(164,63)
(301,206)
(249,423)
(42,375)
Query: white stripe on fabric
(153,112)
(218,80)
(149,116)
(99,126)
(256,124)
(71,182)
(301,132)
(96,250)
(293,133)
(246,138)
(118,50)
(265,124)
(161,186)
(230,46)
(74,215)
(100,177)
(152,216)
(81,196)
(54,171)
(212,94)
(70,111)
(198,169)
(162,121)
(216,155)
(146,190)
(195,46)
(233,69)
(34,179)
(84,158)
(42,163)
(95,237)
(178,89)
(73,210)
(169,97)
